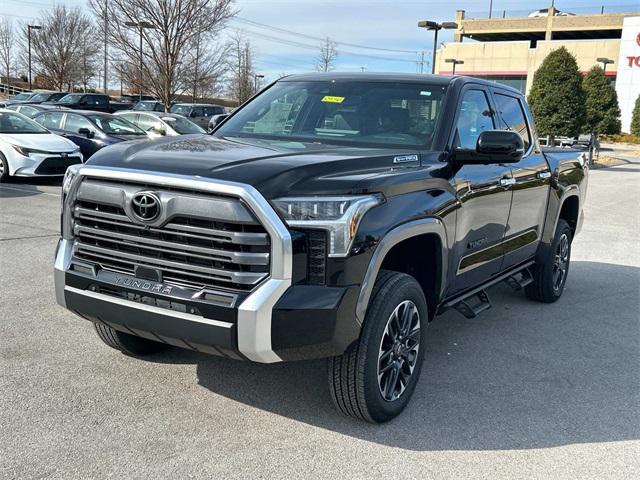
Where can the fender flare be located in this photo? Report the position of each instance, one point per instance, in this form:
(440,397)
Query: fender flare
(392,238)
(572,191)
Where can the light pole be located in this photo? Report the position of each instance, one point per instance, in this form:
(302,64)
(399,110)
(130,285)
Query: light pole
(29,28)
(140,26)
(255,82)
(604,62)
(435,26)
(455,62)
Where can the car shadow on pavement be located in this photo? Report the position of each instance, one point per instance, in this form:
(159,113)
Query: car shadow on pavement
(524,375)
(27,186)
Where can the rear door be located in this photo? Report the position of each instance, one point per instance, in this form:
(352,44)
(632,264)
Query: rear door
(532,182)
(485,196)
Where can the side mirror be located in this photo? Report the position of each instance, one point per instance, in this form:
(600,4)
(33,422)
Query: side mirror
(493,146)
(86,132)
(218,119)
(157,131)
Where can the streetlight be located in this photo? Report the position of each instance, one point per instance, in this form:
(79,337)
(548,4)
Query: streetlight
(435,26)
(255,82)
(141,26)
(29,28)
(604,62)
(455,62)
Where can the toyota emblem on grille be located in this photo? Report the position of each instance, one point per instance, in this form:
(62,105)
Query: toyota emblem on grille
(145,206)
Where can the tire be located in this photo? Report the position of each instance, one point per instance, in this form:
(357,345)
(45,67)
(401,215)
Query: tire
(550,273)
(127,343)
(353,377)
(4,169)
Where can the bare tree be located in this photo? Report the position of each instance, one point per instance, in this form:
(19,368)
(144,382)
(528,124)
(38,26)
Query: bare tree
(205,67)
(7,44)
(241,66)
(171,28)
(62,56)
(327,56)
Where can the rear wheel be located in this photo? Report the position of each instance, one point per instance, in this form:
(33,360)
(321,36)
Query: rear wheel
(550,273)
(4,169)
(127,343)
(375,379)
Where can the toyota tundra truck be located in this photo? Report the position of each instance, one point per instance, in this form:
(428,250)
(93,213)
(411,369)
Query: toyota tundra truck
(331,216)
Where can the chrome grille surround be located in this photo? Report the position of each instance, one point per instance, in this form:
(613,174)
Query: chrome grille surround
(196,241)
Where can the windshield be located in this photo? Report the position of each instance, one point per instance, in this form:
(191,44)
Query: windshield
(22,96)
(181,109)
(352,113)
(41,97)
(145,106)
(115,125)
(182,125)
(71,98)
(14,123)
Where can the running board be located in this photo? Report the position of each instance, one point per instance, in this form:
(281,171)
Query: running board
(465,303)
(519,280)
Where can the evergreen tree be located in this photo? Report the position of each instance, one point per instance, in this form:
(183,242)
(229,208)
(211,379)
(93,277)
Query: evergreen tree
(603,112)
(557,99)
(635,118)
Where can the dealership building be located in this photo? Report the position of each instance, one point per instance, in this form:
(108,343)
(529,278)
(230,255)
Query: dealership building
(510,50)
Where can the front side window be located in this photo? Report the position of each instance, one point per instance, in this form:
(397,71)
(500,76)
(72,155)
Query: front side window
(181,109)
(115,125)
(512,117)
(353,113)
(14,123)
(76,122)
(474,118)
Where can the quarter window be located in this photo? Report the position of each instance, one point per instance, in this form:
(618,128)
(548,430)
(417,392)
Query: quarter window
(512,117)
(474,118)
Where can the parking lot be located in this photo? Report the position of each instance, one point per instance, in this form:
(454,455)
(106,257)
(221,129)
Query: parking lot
(524,391)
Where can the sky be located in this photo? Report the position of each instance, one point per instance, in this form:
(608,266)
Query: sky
(383,34)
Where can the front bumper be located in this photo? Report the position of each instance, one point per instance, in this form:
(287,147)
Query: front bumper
(275,322)
(42,165)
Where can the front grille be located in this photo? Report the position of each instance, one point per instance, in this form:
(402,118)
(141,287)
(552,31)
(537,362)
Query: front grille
(186,250)
(56,165)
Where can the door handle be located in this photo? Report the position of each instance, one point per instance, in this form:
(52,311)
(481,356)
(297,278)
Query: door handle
(506,182)
(544,175)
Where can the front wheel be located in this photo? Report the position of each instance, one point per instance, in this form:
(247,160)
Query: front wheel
(550,272)
(4,169)
(375,378)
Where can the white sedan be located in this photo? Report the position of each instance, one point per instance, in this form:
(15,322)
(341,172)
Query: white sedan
(29,149)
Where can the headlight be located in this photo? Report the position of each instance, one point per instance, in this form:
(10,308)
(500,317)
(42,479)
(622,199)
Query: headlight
(24,151)
(340,216)
(69,177)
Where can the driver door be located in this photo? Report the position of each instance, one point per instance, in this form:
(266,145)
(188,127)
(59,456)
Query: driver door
(484,194)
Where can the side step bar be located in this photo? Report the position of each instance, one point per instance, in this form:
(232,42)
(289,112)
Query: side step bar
(475,301)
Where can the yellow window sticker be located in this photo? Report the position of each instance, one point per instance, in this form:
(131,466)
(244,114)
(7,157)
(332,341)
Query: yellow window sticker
(331,99)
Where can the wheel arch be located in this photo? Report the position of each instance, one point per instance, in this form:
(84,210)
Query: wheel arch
(391,253)
(570,211)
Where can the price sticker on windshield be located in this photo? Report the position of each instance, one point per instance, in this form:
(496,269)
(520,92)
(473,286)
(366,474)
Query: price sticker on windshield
(332,99)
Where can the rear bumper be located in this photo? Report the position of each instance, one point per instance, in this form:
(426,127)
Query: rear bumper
(275,322)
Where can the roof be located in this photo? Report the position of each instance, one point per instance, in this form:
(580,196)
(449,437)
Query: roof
(198,104)
(367,77)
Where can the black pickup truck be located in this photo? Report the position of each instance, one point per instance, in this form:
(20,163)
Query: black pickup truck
(90,101)
(331,216)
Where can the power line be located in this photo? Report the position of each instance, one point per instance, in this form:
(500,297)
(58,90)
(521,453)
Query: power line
(294,43)
(311,37)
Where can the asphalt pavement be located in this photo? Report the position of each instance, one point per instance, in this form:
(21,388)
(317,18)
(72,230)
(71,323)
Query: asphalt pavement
(523,391)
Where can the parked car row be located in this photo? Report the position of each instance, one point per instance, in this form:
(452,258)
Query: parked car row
(45,139)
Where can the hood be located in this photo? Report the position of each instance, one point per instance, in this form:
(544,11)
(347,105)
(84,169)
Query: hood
(274,168)
(48,142)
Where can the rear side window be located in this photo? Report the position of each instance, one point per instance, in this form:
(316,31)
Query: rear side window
(512,117)
(474,118)
(50,120)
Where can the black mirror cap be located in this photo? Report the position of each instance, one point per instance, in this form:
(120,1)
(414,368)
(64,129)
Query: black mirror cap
(86,132)
(493,146)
